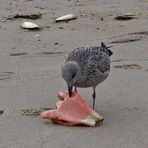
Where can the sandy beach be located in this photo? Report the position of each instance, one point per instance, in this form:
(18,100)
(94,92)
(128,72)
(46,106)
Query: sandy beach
(30,75)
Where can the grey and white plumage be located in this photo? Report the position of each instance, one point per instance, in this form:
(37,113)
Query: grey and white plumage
(87,67)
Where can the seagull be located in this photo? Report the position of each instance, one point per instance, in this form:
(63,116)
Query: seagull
(86,67)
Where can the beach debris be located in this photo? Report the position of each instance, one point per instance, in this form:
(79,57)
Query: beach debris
(83,14)
(72,110)
(102,19)
(129,14)
(126,16)
(128,66)
(66,18)
(30,26)
(56,43)
(1,112)
(37,35)
(60,27)
(25,16)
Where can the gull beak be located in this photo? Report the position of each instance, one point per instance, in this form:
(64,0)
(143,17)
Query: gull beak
(70,89)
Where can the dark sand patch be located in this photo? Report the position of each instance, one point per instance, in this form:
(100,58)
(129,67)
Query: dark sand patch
(25,16)
(128,66)
(33,111)
(51,53)
(128,38)
(18,54)
(1,112)
(6,75)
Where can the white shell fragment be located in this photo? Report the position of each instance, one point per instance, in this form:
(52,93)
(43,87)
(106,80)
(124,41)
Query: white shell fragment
(66,17)
(29,25)
(37,35)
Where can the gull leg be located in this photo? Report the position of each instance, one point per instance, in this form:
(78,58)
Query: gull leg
(76,89)
(94,97)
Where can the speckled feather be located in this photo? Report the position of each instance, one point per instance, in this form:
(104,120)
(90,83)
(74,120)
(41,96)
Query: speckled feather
(94,64)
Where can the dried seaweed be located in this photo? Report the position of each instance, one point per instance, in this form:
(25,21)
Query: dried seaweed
(25,16)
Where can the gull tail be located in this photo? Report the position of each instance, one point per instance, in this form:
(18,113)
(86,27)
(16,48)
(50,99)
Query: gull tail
(107,49)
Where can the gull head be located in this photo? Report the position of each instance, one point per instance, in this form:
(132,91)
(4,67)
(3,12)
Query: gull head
(70,73)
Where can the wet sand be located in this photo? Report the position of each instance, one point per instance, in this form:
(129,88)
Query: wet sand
(30,76)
